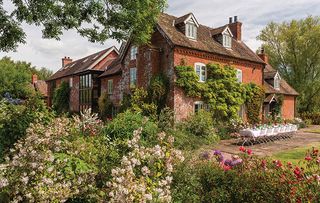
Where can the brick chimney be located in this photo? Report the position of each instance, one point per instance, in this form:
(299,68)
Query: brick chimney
(34,79)
(66,60)
(263,55)
(235,27)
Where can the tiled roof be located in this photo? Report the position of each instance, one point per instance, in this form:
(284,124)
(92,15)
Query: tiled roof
(113,69)
(81,65)
(182,19)
(205,41)
(41,86)
(269,98)
(219,30)
(285,88)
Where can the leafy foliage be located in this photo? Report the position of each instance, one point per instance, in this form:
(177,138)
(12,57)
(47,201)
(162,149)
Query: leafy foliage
(15,119)
(254,100)
(158,90)
(96,20)
(247,178)
(105,106)
(15,77)
(293,48)
(61,97)
(55,162)
(221,91)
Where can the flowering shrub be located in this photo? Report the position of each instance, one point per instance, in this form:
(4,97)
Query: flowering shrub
(145,173)
(247,178)
(55,162)
(15,119)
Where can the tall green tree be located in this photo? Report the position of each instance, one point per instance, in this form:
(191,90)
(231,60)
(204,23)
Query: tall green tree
(98,20)
(15,77)
(294,49)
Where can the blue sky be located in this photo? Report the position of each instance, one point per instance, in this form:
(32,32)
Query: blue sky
(254,14)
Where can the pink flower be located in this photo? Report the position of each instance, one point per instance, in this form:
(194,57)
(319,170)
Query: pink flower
(263,163)
(308,158)
(242,149)
(249,151)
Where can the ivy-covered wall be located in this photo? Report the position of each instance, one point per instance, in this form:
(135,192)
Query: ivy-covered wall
(221,92)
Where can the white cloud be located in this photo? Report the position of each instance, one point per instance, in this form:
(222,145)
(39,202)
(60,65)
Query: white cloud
(254,14)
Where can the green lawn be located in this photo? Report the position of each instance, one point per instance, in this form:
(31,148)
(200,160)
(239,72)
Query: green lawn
(295,155)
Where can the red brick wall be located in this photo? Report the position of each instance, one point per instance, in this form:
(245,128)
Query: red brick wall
(251,72)
(113,55)
(288,107)
(115,97)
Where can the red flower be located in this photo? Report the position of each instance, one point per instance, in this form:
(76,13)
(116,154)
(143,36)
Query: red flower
(242,148)
(278,163)
(263,163)
(226,168)
(308,158)
(315,152)
(249,151)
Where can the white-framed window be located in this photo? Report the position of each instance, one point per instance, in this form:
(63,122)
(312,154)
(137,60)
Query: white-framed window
(133,77)
(277,82)
(200,105)
(226,41)
(239,75)
(201,71)
(110,86)
(191,30)
(70,82)
(133,52)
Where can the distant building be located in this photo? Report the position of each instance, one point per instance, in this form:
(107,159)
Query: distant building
(40,86)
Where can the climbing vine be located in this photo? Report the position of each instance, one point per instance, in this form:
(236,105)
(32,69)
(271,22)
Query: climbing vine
(253,100)
(221,91)
(61,98)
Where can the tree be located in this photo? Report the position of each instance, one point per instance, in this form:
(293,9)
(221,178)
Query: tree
(294,49)
(15,77)
(95,19)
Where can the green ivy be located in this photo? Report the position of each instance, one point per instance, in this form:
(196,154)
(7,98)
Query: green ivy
(221,91)
(254,100)
(61,98)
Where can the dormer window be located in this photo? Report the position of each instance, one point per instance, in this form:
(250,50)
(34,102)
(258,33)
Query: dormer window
(277,80)
(191,30)
(226,41)
(188,25)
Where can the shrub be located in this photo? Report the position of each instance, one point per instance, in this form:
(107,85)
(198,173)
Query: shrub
(166,119)
(138,102)
(247,179)
(313,116)
(200,124)
(145,173)
(123,126)
(105,106)
(61,97)
(15,119)
(254,100)
(55,162)
(158,90)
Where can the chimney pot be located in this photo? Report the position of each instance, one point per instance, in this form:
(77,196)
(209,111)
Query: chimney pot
(230,20)
(263,55)
(235,18)
(65,61)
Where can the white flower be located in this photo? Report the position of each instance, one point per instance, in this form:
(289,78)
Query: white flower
(148,197)
(145,170)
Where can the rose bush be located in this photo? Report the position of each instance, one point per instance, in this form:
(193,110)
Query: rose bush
(247,178)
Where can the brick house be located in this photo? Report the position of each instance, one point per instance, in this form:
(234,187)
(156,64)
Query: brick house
(179,40)
(275,86)
(82,76)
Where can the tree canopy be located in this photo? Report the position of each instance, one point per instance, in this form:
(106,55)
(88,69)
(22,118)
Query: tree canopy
(97,20)
(15,77)
(294,49)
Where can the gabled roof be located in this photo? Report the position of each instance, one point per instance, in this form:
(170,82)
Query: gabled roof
(221,30)
(205,41)
(113,69)
(285,88)
(185,18)
(85,64)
